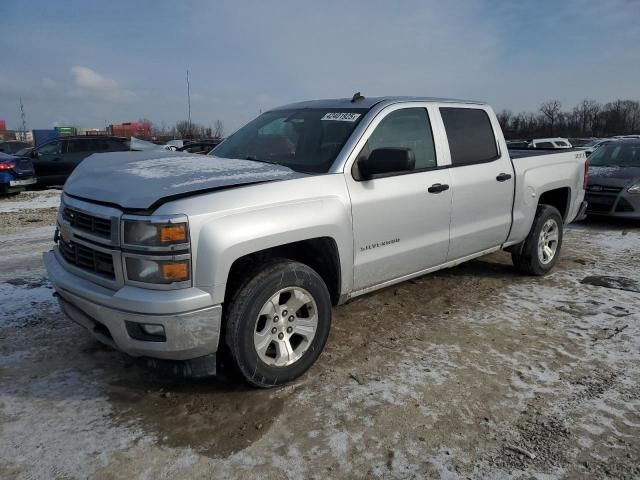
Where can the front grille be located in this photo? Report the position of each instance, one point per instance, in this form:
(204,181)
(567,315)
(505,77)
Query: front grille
(87,258)
(603,188)
(88,223)
(600,203)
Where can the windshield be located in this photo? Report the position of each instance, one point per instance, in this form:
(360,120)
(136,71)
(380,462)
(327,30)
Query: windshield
(305,140)
(616,154)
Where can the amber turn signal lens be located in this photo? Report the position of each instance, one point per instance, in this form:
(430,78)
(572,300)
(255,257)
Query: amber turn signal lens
(173,234)
(175,271)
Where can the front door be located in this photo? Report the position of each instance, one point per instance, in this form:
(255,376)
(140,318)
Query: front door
(400,221)
(48,163)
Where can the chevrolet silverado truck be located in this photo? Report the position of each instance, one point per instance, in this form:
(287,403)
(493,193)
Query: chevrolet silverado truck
(241,254)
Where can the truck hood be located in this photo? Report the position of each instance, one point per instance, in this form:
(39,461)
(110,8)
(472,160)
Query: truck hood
(138,180)
(614,176)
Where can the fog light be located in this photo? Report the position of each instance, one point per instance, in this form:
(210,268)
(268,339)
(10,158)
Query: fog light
(151,329)
(145,332)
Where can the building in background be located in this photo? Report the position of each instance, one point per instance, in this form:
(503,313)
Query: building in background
(26,137)
(66,131)
(3,129)
(130,129)
(44,135)
(91,131)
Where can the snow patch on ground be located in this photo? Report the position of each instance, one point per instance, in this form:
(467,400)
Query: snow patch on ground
(72,443)
(31,201)
(20,302)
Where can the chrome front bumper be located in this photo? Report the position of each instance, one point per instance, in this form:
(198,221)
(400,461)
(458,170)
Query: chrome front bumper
(191,323)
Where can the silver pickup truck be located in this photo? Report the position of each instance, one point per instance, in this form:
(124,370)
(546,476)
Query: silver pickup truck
(242,253)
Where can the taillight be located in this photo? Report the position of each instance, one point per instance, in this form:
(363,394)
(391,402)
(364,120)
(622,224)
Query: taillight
(586,174)
(7,165)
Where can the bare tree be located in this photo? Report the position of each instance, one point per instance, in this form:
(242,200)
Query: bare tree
(551,111)
(584,113)
(183,129)
(504,119)
(218,129)
(632,109)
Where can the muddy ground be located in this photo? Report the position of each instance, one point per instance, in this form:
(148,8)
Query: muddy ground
(473,372)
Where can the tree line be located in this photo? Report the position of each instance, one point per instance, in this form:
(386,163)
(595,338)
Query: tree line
(185,130)
(587,119)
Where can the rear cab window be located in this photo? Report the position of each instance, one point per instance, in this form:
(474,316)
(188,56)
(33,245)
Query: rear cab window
(470,134)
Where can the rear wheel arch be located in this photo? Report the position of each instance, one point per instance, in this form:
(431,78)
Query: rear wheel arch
(559,198)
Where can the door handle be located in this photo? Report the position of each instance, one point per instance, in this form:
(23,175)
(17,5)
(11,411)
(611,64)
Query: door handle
(503,177)
(56,159)
(437,188)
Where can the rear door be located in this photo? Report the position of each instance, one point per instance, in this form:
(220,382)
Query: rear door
(482,178)
(399,226)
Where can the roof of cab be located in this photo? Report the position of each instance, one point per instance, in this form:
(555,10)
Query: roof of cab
(368,102)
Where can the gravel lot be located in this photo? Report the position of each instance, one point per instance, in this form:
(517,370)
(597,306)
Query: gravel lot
(474,372)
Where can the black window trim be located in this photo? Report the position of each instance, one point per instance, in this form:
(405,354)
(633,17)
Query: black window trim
(495,139)
(355,173)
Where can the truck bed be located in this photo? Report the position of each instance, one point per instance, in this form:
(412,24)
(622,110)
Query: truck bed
(535,152)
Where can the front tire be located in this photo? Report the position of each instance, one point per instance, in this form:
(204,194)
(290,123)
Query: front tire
(278,323)
(540,251)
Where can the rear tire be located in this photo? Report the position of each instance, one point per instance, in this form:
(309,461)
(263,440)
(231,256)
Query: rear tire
(278,322)
(540,251)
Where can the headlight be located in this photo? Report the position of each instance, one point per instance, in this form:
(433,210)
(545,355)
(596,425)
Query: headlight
(157,271)
(635,188)
(144,233)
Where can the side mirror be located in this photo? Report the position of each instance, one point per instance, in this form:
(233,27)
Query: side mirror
(386,160)
(33,153)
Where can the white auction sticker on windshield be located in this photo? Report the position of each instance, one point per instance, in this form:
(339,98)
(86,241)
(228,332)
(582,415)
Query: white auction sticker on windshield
(341,116)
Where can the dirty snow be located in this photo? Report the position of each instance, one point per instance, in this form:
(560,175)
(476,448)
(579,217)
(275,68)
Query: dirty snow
(434,378)
(31,201)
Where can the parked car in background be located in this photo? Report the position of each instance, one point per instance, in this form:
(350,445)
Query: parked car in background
(16,173)
(55,160)
(24,152)
(173,145)
(11,147)
(595,143)
(552,143)
(614,180)
(518,144)
(200,146)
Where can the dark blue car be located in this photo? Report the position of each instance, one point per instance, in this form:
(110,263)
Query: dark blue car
(16,173)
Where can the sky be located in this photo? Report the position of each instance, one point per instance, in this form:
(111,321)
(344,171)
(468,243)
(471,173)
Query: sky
(90,64)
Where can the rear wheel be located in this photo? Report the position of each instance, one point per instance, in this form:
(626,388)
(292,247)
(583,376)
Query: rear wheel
(540,250)
(278,322)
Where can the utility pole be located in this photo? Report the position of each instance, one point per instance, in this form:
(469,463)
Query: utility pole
(24,122)
(188,104)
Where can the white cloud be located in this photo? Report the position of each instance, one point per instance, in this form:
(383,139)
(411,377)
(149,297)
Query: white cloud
(48,83)
(89,79)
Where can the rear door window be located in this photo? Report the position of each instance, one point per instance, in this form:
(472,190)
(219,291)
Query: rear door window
(544,145)
(77,146)
(471,137)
